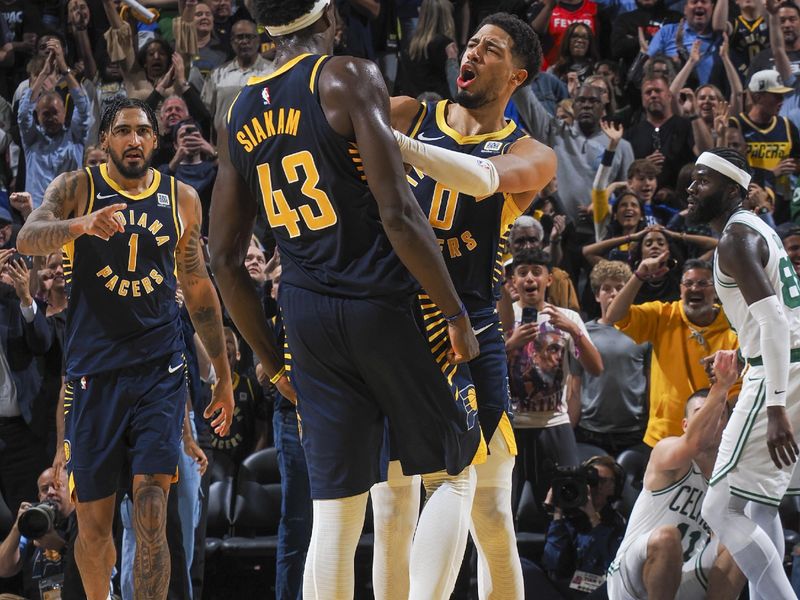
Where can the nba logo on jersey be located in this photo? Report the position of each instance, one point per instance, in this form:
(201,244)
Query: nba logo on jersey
(265,96)
(492,146)
(163,199)
(83,383)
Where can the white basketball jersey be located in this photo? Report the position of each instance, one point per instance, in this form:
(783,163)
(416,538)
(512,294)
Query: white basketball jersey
(678,505)
(782,276)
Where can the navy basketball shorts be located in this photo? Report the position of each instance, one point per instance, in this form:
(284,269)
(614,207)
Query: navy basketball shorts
(483,380)
(355,362)
(123,421)
(489,372)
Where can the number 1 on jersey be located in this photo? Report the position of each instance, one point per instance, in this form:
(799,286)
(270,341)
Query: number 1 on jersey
(279,213)
(133,248)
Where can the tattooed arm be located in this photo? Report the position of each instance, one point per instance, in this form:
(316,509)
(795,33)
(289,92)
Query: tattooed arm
(49,227)
(203,305)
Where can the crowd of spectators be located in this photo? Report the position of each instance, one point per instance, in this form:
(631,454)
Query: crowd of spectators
(631,91)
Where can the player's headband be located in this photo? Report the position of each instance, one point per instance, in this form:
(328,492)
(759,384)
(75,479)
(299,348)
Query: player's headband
(300,22)
(725,167)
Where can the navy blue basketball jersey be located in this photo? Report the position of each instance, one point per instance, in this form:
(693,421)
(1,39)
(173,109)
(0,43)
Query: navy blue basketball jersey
(471,231)
(747,40)
(122,309)
(312,185)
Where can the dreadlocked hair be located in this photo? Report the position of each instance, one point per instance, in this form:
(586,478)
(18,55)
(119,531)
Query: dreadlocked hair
(110,113)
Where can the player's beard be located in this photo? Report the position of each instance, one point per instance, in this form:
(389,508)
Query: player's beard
(472,99)
(130,172)
(705,210)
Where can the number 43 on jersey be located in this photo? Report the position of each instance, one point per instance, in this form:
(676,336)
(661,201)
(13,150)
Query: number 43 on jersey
(317,214)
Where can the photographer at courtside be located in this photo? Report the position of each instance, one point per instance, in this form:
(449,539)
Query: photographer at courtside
(40,543)
(586,530)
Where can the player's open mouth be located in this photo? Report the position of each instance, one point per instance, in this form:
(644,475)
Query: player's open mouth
(466,77)
(133,155)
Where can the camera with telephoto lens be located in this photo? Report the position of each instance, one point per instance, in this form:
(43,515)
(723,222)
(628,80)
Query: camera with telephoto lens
(570,486)
(39,519)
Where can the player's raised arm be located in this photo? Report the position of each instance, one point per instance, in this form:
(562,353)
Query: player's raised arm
(677,453)
(49,227)
(233,215)
(203,305)
(356,104)
(742,254)
(525,169)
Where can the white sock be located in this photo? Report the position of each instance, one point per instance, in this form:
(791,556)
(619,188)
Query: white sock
(441,536)
(395,508)
(750,546)
(768,518)
(499,567)
(329,571)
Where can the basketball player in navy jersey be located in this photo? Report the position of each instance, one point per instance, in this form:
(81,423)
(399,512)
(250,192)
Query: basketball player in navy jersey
(312,142)
(129,234)
(473,174)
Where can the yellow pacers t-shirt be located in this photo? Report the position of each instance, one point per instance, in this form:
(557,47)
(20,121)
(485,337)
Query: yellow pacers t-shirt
(676,372)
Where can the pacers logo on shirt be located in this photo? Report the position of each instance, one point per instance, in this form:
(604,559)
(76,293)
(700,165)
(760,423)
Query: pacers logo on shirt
(469,400)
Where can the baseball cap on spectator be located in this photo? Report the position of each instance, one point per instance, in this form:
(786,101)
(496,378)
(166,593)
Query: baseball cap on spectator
(5,216)
(769,81)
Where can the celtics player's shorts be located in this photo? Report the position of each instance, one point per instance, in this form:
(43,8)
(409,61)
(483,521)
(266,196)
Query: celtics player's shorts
(124,421)
(354,363)
(743,457)
(625,573)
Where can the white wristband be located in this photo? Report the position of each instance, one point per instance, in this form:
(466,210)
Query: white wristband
(775,351)
(458,171)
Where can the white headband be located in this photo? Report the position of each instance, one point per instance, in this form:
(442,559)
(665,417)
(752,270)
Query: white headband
(300,22)
(725,167)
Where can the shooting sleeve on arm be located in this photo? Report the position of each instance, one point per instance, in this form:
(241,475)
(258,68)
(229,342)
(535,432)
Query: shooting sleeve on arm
(463,172)
(774,329)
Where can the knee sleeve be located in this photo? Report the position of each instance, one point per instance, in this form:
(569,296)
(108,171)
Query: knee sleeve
(334,536)
(499,567)
(496,471)
(750,546)
(441,537)
(395,508)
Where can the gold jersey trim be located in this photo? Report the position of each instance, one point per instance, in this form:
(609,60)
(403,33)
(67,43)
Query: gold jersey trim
(279,71)
(312,80)
(151,189)
(441,121)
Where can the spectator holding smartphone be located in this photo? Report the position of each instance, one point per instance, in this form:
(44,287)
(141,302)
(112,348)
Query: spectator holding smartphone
(544,349)
(194,163)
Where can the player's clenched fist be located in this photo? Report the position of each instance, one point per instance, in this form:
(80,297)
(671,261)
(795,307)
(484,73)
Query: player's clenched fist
(104,222)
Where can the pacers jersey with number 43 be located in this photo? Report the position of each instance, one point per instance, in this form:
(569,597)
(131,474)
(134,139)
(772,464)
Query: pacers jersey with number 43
(471,231)
(122,309)
(782,276)
(312,184)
